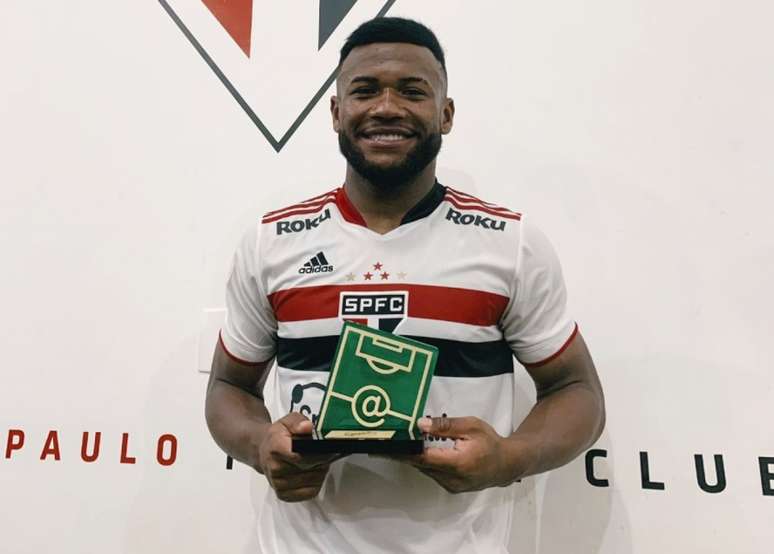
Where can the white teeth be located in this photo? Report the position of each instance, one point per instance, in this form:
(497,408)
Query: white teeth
(387,138)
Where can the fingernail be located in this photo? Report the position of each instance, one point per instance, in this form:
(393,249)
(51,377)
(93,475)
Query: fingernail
(425,424)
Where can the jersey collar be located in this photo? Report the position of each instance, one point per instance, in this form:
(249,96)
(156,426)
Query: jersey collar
(421,209)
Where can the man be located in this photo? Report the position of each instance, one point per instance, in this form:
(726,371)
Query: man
(478,281)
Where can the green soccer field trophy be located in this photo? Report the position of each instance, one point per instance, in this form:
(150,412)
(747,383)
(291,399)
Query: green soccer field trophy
(376,393)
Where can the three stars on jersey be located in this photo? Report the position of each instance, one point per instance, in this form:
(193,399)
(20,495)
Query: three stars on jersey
(319,264)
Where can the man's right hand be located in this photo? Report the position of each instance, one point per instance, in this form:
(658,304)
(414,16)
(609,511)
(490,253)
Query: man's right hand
(241,425)
(293,477)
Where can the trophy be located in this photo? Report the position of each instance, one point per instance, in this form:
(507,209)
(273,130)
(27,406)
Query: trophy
(376,393)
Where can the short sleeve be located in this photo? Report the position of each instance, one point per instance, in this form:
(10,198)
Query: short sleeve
(536,323)
(250,331)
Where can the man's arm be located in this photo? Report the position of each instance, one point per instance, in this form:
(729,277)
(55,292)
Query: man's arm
(240,424)
(568,417)
(234,407)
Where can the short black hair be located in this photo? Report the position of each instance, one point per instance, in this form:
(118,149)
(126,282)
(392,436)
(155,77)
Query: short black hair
(393,29)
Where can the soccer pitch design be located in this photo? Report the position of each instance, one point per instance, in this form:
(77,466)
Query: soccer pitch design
(378,384)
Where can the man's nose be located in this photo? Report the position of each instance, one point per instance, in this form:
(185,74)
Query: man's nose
(387,104)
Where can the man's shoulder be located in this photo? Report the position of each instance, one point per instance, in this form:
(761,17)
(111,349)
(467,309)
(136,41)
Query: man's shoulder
(306,207)
(468,210)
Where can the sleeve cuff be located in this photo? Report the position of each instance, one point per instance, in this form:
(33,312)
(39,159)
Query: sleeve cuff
(239,355)
(539,357)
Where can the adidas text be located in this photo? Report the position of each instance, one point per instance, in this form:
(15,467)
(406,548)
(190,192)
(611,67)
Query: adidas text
(298,225)
(317,264)
(318,269)
(458,218)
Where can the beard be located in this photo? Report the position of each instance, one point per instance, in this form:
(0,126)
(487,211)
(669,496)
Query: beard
(396,175)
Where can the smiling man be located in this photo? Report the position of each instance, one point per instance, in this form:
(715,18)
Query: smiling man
(478,281)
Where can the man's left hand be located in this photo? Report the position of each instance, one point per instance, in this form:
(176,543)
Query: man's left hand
(479,459)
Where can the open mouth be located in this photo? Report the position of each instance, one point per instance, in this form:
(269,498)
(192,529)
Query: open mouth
(384,137)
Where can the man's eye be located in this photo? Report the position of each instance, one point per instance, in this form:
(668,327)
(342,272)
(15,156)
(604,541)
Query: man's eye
(413,92)
(364,90)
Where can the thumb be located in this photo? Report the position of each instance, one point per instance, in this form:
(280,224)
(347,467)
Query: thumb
(296,424)
(449,427)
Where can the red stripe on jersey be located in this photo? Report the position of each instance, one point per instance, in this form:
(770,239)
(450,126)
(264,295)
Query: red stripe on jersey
(293,209)
(347,210)
(458,305)
(360,321)
(557,353)
(457,204)
(305,203)
(466,198)
(301,210)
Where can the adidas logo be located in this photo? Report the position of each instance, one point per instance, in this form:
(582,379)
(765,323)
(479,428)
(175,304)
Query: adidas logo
(318,264)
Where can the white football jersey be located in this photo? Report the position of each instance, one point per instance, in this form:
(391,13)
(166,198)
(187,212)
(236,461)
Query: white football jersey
(476,280)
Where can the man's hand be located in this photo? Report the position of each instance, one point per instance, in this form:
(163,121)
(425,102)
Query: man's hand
(293,477)
(241,425)
(480,458)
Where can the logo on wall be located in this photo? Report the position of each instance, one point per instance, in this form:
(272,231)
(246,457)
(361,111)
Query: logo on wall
(260,50)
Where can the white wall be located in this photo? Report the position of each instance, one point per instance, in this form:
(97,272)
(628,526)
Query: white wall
(639,133)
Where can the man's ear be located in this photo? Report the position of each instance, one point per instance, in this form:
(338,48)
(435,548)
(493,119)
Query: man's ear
(447,116)
(335,112)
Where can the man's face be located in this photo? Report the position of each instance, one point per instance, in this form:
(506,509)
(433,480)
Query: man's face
(390,111)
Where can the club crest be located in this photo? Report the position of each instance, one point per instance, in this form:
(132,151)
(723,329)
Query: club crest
(276,59)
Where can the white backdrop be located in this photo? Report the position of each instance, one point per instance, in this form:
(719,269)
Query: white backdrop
(639,133)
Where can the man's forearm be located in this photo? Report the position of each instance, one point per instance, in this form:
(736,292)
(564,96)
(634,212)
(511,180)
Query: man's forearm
(236,419)
(558,428)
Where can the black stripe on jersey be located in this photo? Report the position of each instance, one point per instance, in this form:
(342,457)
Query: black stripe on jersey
(455,358)
(427,205)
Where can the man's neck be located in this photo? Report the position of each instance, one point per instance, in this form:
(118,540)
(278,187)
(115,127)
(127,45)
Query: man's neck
(383,210)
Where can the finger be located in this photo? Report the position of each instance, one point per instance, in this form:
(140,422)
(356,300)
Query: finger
(281,448)
(312,478)
(438,476)
(281,468)
(297,424)
(285,476)
(309,461)
(449,482)
(439,459)
(449,427)
(298,495)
